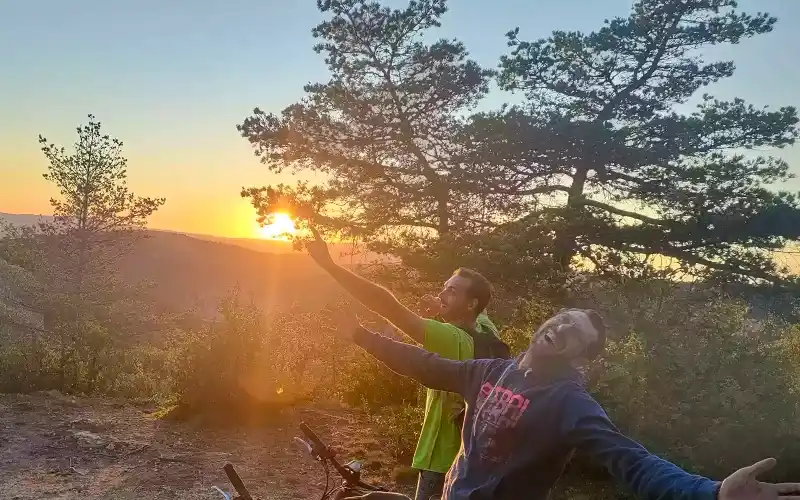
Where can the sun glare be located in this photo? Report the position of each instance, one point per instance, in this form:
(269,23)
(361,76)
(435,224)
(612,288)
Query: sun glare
(282,228)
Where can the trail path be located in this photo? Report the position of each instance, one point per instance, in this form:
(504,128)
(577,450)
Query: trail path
(58,447)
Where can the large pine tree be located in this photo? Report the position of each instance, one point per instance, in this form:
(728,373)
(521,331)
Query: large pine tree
(386,130)
(637,176)
(597,166)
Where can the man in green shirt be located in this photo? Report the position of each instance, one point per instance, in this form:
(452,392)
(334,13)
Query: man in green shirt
(440,437)
(460,305)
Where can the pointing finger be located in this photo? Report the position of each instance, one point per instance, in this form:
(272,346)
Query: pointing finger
(315,233)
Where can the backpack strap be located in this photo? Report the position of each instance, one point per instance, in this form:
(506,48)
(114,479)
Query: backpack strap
(488,345)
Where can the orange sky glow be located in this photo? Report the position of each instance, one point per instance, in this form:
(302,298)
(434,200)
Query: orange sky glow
(202,197)
(175,98)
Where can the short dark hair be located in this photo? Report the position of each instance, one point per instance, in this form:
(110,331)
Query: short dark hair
(596,347)
(479,287)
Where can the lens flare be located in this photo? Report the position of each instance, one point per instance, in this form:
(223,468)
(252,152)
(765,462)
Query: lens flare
(281,228)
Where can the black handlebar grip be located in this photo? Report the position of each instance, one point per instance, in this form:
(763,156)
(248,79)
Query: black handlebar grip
(319,447)
(237,483)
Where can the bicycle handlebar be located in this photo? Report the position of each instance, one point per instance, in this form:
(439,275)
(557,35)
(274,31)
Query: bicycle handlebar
(237,483)
(324,453)
(321,452)
(319,447)
(306,446)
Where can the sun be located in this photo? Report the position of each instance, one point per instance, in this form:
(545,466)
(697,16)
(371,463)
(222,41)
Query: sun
(282,228)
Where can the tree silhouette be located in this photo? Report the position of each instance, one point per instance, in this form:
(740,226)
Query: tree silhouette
(386,130)
(97,217)
(597,166)
(600,127)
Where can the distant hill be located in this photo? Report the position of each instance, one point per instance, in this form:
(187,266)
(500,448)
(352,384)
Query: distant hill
(196,271)
(341,252)
(191,272)
(23,219)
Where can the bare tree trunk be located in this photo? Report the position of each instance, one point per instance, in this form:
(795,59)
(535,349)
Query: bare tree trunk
(566,245)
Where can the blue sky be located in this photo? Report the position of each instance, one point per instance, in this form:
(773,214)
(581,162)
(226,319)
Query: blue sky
(173,78)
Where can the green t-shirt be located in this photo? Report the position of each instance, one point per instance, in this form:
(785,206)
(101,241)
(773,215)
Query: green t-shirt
(440,438)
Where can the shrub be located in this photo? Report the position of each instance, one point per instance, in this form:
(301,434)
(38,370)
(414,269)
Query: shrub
(364,381)
(691,375)
(400,426)
(81,360)
(249,361)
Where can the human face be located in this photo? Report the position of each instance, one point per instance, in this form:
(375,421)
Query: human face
(566,335)
(456,303)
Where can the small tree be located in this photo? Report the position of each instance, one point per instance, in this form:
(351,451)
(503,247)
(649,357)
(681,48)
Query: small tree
(75,257)
(97,217)
(634,175)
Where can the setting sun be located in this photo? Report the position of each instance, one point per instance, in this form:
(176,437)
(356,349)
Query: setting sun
(282,228)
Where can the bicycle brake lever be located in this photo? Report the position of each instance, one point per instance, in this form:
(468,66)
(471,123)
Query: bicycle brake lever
(225,495)
(304,445)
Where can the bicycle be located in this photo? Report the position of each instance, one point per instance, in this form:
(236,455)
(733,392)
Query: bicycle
(351,484)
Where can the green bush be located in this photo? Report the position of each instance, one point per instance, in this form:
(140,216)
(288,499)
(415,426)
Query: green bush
(690,375)
(81,360)
(24,365)
(394,404)
(399,426)
(247,360)
(364,381)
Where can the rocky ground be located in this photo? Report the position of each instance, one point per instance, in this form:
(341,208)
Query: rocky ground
(59,447)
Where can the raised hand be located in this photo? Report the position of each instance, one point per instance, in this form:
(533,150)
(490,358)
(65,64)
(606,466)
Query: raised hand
(318,249)
(744,485)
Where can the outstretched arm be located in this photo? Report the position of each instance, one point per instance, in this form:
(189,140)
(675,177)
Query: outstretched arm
(651,477)
(373,296)
(631,465)
(427,368)
(430,370)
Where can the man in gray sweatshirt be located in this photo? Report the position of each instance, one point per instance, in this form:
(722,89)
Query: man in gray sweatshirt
(526,418)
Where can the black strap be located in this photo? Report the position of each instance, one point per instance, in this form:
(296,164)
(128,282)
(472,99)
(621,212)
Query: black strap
(488,345)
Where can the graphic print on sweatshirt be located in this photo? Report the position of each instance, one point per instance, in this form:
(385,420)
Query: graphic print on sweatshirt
(499,409)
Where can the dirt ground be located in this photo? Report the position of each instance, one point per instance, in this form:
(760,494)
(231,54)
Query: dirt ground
(59,447)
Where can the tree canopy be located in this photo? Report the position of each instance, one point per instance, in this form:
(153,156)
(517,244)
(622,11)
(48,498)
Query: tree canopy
(638,176)
(385,129)
(598,165)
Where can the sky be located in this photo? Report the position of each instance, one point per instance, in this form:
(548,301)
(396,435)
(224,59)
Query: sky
(172,79)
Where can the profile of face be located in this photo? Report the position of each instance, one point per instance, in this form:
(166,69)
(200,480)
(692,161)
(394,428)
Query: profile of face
(456,303)
(567,336)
